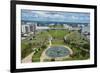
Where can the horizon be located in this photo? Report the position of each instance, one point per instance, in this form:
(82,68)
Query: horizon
(54,16)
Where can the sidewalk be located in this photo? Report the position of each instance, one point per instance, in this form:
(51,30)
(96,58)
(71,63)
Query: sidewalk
(28,59)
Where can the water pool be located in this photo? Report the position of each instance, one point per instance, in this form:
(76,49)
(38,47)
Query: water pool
(57,51)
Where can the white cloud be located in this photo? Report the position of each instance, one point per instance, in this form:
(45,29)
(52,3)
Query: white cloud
(74,17)
(58,16)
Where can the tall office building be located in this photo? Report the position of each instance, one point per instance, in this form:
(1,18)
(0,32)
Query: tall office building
(25,29)
(28,27)
(33,28)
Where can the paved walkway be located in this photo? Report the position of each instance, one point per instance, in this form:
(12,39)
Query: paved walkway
(28,59)
(43,54)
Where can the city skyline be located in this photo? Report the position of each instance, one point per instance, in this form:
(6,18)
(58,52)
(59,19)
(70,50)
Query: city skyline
(55,16)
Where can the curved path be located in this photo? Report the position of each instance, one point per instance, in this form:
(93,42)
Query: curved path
(28,59)
(43,54)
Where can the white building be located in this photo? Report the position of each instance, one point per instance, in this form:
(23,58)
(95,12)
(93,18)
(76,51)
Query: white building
(25,28)
(28,27)
(67,26)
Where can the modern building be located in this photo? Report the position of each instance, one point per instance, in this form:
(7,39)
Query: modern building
(28,28)
(25,28)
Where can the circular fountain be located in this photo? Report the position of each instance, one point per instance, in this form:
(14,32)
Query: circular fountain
(57,52)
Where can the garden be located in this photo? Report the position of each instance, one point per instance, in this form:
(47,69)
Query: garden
(78,43)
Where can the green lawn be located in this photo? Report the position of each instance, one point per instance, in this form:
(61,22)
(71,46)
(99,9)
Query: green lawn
(58,42)
(73,39)
(58,34)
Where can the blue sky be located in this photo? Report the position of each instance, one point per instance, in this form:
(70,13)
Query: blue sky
(53,16)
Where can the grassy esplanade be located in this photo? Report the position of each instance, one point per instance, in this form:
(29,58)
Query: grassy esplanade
(77,44)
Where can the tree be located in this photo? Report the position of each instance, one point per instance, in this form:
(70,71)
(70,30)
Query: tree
(52,59)
(44,46)
(86,46)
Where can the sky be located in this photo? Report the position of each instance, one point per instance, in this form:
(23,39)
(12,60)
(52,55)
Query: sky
(55,16)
